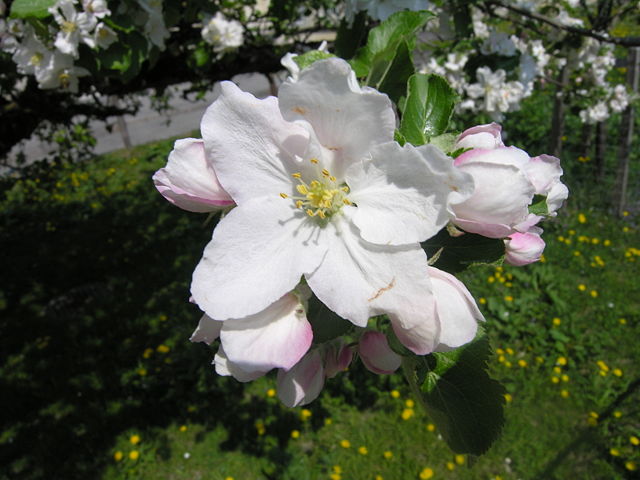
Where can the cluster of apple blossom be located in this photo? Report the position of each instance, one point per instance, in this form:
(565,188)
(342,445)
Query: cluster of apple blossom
(222,34)
(383,9)
(498,90)
(51,57)
(323,207)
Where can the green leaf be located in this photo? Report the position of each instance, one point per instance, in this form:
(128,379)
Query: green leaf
(445,142)
(325,323)
(349,37)
(127,56)
(202,56)
(463,251)
(539,205)
(428,109)
(31,8)
(383,41)
(465,403)
(393,81)
(310,57)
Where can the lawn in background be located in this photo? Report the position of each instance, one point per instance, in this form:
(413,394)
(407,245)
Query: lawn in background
(99,380)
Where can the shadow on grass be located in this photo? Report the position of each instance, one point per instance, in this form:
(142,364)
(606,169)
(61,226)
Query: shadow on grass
(87,295)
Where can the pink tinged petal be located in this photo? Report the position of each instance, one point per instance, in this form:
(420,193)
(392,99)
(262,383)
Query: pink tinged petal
(347,119)
(253,149)
(501,199)
(257,255)
(358,280)
(189,181)
(303,383)
(457,310)
(376,354)
(523,248)
(481,136)
(556,197)
(544,172)
(226,368)
(337,358)
(207,331)
(277,337)
(403,193)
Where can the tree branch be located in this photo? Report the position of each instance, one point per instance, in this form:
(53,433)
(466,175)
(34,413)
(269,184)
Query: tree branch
(603,37)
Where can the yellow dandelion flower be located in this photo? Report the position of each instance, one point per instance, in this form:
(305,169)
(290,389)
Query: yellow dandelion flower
(622,321)
(625,229)
(409,403)
(482,300)
(345,443)
(295,434)
(337,469)
(582,218)
(335,476)
(271,392)
(508,397)
(607,243)
(379,477)
(556,321)
(431,427)
(228,478)
(617,413)
(507,364)
(491,279)
(134,455)
(142,372)
(582,287)
(163,349)
(565,394)
(118,456)
(564,377)
(407,413)
(617,372)
(147,353)
(555,379)
(557,370)
(510,351)
(451,466)
(328,421)
(305,414)
(634,440)
(426,474)
(508,298)
(395,394)
(603,366)
(539,359)
(614,452)
(183,428)
(499,351)
(594,293)
(562,361)
(460,459)
(595,241)
(363,450)
(522,362)
(388,454)
(631,466)
(134,439)
(577,253)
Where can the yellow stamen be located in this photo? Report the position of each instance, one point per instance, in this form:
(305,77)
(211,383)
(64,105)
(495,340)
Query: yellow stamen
(284,195)
(296,175)
(314,160)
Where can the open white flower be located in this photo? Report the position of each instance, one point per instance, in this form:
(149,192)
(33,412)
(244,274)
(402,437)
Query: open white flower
(224,35)
(323,192)
(74,26)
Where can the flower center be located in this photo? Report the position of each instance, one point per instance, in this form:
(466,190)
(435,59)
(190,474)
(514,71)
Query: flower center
(36,58)
(65,79)
(68,27)
(321,197)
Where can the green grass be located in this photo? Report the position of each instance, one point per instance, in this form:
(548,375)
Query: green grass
(94,322)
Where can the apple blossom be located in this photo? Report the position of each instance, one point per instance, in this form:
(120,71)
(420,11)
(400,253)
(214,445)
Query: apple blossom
(74,27)
(324,191)
(506,180)
(224,35)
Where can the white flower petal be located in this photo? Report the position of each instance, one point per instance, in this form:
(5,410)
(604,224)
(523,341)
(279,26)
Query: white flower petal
(303,383)
(347,119)
(277,337)
(189,181)
(481,136)
(358,280)
(207,331)
(226,367)
(253,149)
(457,310)
(403,193)
(257,254)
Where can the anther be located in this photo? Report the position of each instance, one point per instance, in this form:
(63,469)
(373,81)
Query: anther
(284,195)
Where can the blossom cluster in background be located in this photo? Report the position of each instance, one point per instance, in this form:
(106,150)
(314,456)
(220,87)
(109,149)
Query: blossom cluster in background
(324,215)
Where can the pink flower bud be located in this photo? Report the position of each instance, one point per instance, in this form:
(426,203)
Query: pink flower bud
(376,354)
(523,248)
(303,383)
(481,136)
